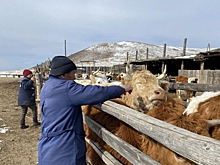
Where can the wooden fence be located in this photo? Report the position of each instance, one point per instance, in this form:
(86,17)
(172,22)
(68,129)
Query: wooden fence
(114,69)
(199,149)
(11,75)
(204,76)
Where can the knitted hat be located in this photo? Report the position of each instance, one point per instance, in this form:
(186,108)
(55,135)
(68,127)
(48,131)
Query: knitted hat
(26,72)
(61,65)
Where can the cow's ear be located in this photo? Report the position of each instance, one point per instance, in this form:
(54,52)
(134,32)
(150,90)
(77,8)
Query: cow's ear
(165,85)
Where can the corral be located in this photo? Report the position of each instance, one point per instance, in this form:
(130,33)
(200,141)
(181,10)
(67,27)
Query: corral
(191,146)
(199,149)
(183,142)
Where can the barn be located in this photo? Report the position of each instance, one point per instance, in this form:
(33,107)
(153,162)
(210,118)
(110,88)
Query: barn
(204,65)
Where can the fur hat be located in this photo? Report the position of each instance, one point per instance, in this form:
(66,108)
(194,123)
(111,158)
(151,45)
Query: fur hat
(61,65)
(26,72)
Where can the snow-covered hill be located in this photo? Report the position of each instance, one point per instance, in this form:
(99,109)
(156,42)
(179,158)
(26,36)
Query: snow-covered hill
(108,54)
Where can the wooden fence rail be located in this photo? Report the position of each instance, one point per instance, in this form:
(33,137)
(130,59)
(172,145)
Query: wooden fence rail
(199,149)
(195,87)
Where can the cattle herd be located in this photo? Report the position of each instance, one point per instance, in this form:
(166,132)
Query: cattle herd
(150,96)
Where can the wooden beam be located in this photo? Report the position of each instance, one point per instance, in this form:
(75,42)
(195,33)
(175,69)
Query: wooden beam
(195,87)
(136,56)
(184,46)
(182,65)
(164,50)
(147,53)
(202,63)
(104,155)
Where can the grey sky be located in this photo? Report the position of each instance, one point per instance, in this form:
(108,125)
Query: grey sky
(33,31)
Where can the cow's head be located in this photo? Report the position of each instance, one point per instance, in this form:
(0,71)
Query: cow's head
(98,78)
(185,95)
(147,91)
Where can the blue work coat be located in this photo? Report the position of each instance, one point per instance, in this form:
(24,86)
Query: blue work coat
(26,94)
(62,141)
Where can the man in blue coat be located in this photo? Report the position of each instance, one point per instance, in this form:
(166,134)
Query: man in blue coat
(63,138)
(26,98)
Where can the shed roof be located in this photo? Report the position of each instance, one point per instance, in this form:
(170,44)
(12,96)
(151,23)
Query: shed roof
(202,56)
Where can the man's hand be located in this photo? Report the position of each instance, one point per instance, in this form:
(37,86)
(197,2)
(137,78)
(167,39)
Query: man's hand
(127,88)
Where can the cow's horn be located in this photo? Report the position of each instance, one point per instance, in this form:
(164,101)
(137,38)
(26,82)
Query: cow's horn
(96,72)
(213,123)
(163,74)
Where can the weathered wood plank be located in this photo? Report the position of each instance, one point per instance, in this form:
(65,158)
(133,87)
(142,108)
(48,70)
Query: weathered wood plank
(216,75)
(131,153)
(204,76)
(104,155)
(199,149)
(195,87)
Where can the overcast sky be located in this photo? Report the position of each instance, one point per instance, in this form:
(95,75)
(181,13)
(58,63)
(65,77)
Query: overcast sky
(31,31)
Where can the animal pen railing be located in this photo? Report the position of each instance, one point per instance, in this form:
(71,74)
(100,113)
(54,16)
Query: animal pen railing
(114,69)
(199,149)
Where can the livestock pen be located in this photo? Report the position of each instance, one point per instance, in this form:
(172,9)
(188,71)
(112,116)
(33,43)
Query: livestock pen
(199,149)
(185,143)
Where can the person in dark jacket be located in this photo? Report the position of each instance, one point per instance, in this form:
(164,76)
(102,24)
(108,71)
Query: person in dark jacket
(26,98)
(62,140)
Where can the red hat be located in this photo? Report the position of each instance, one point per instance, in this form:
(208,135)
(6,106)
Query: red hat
(26,72)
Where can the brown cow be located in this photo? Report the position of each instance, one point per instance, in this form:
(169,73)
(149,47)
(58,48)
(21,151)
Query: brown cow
(185,95)
(150,97)
(207,106)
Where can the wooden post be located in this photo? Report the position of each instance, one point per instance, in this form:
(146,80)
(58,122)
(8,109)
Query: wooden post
(147,54)
(127,56)
(184,47)
(182,65)
(132,68)
(164,50)
(93,65)
(162,68)
(202,65)
(39,83)
(208,47)
(65,47)
(136,55)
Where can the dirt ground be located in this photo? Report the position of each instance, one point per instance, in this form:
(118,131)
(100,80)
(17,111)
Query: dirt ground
(17,146)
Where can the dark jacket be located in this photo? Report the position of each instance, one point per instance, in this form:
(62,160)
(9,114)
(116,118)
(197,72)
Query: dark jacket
(26,94)
(63,137)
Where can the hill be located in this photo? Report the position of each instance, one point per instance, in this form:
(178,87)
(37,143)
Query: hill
(108,54)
